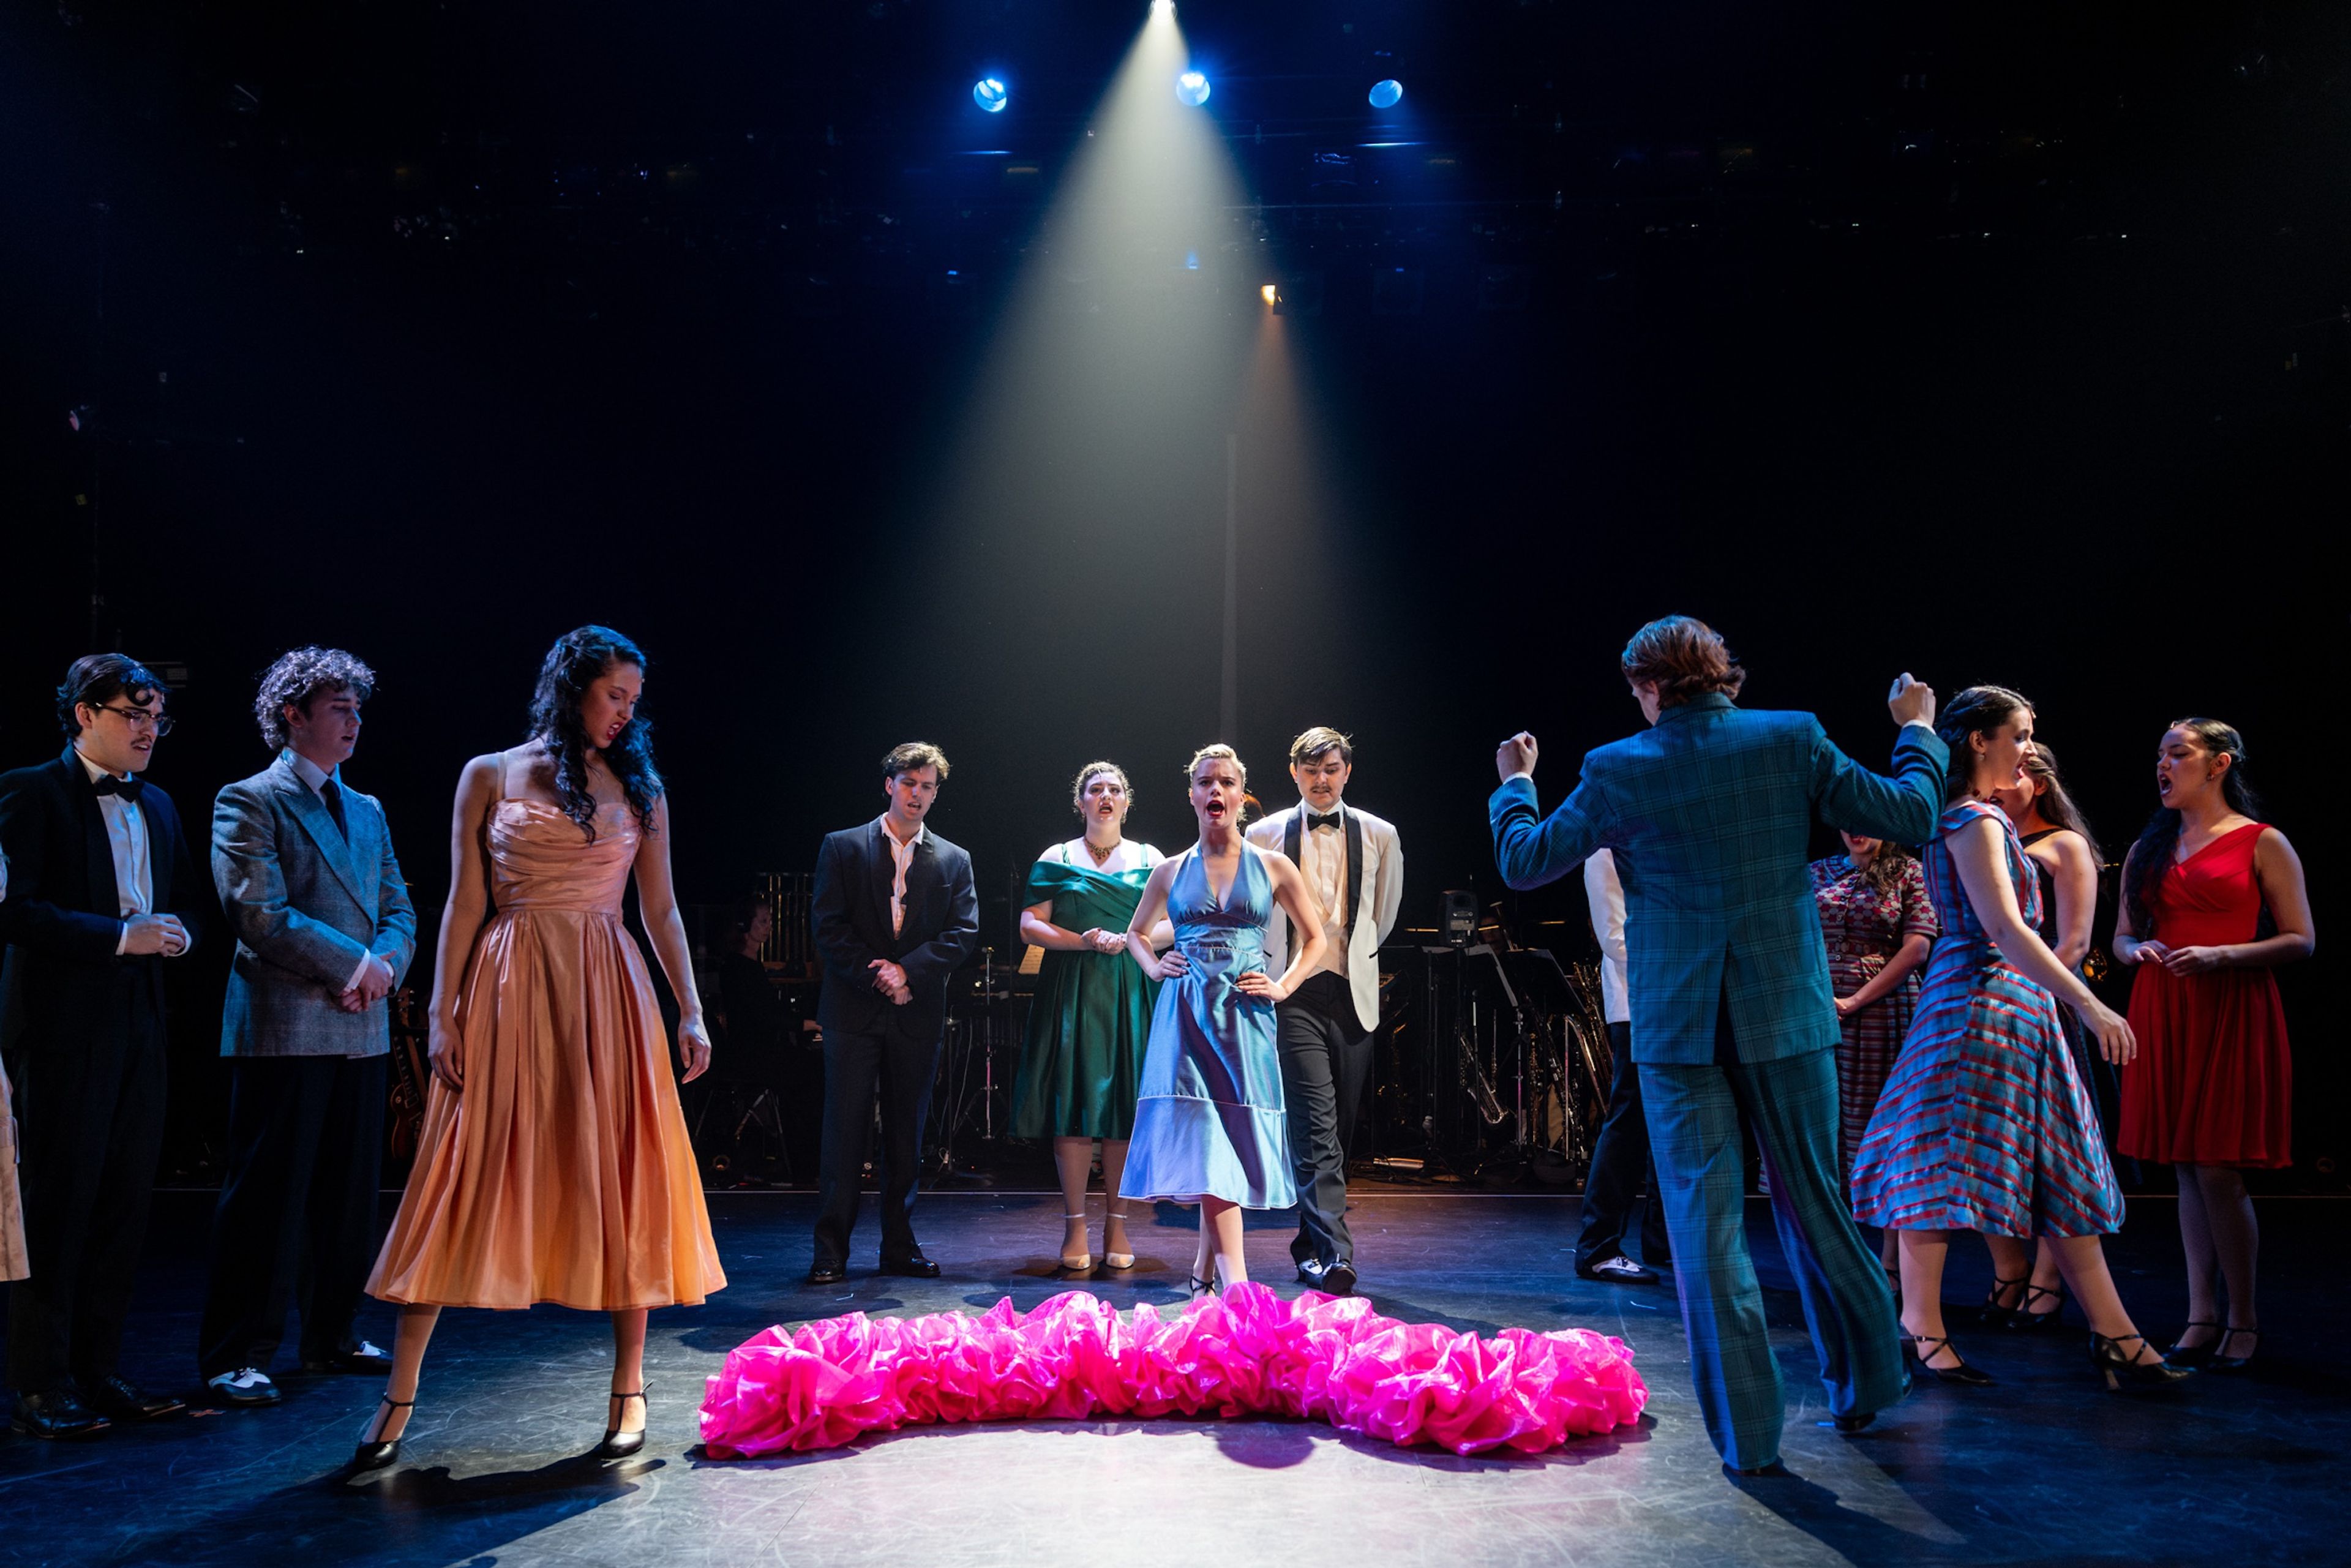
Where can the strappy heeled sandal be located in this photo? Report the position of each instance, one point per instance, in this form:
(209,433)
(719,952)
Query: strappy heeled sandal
(2221,1363)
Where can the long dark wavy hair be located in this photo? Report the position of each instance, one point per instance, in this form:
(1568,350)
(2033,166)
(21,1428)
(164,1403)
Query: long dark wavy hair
(577,662)
(1984,709)
(2158,842)
(1886,867)
(2054,804)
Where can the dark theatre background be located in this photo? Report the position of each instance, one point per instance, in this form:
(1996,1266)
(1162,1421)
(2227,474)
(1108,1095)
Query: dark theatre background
(1992,342)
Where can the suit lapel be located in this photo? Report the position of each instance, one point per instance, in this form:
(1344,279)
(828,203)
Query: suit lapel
(1293,844)
(881,873)
(1354,877)
(97,851)
(311,812)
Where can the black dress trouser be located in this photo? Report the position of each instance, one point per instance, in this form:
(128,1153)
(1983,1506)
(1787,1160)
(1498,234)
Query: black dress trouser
(900,1058)
(295,1221)
(1619,1157)
(1326,1058)
(91,1121)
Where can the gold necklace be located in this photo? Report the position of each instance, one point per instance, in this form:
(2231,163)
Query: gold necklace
(1101,857)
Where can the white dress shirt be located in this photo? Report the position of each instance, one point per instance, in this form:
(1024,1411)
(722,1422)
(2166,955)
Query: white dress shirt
(1323,856)
(126,838)
(1604,892)
(904,856)
(317,778)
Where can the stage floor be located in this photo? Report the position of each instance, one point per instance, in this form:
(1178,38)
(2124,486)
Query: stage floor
(2047,1468)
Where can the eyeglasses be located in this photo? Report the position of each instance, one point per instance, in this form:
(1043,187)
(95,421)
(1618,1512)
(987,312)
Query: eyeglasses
(139,718)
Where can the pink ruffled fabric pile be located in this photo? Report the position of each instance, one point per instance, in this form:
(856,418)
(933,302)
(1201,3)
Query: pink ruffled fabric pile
(1248,1353)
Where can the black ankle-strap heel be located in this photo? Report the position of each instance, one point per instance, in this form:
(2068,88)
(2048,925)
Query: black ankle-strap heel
(619,1445)
(2122,1366)
(2024,1320)
(1963,1374)
(1994,1315)
(375,1453)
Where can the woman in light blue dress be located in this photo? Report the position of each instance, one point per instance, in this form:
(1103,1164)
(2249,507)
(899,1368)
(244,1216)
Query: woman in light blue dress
(1209,1126)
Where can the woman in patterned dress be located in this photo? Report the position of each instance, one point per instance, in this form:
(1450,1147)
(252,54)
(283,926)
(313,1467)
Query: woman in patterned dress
(2065,855)
(1984,1125)
(1082,1054)
(2214,1094)
(1880,926)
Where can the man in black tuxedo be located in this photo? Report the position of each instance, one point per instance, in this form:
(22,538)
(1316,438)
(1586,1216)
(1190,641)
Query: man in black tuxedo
(895,912)
(101,892)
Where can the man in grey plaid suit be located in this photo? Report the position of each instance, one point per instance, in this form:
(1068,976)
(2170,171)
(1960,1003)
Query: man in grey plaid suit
(1709,814)
(324,932)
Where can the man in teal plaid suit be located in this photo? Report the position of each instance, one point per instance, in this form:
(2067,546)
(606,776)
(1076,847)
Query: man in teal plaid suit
(1710,816)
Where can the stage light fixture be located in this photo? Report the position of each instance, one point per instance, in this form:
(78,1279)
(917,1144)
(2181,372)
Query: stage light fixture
(1192,88)
(1387,94)
(1269,292)
(990,94)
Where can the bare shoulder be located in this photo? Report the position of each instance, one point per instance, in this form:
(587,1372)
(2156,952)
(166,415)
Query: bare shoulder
(2273,848)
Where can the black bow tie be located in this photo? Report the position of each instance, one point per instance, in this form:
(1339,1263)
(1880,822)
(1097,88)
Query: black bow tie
(108,784)
(1331,820)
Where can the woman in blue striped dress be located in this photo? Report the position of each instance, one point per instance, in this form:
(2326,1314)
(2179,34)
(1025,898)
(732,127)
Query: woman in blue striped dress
(1984,1125)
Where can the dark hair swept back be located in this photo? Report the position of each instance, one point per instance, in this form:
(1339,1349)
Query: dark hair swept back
(1979,710)
(1685,656)
(576,662)
(2158,842)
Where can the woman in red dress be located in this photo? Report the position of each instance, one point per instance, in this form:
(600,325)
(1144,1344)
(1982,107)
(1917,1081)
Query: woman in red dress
(2213,1089)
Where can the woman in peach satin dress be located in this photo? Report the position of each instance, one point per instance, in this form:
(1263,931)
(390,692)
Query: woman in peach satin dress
(553,1164)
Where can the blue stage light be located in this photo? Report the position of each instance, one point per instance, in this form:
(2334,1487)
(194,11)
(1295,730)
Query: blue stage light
(990,94)
(1387,94)
(1192,87)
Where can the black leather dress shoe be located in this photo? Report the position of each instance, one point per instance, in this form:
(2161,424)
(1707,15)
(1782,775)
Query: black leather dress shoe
(912,1266)
(59,1413)
(1339,1278)
(118,1399)
(824,1273)
(364,1357)
(1310,1273)
(1617,1270)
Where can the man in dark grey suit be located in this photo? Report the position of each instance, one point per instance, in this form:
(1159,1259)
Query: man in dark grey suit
(895,912)
(306,873)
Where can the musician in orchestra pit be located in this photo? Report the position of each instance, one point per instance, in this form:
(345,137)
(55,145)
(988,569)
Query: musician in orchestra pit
(324,932)
(895,911)
(1353,864)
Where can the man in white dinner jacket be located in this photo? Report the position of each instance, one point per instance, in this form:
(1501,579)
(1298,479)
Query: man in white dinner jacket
(1354,864)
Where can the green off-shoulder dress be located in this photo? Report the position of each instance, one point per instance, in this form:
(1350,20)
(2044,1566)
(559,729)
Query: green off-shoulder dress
(1082,1059)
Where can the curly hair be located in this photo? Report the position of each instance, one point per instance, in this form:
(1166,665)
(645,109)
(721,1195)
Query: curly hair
(299,676)
(98,679)
(576,662)
(1886,867)
(2158,842)
(1979,710)
(1685,656)
(1086,777)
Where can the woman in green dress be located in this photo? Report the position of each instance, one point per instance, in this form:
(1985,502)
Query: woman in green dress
(1082,1057)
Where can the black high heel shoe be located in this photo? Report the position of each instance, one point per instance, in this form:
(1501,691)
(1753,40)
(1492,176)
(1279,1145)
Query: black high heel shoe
(1195,1287)
(2219,1363)
(2182,1354)
(2024,1320)
(1994,1315)
(2122,1366)
(1964,1374)
(619,1445)
(375,1453)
